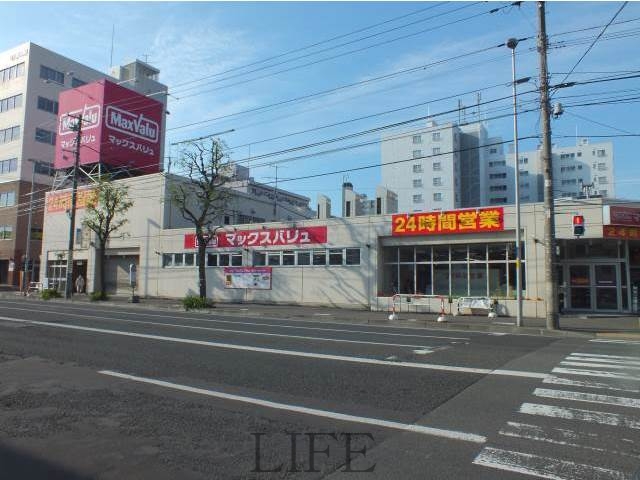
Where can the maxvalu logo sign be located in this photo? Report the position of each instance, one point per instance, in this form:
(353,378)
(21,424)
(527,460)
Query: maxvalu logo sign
(134,124)
(90,115)
(120,128)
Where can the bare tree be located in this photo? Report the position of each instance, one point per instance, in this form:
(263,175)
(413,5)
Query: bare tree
(201,197)
(105,216)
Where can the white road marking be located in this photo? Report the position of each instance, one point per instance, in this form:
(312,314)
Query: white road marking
(599,365)
(613,361)
(622,342)
(437,432)
(292,353)
(587,397)
(504,323)
(595,355)
(543,467)
(604,418)
(589,384)
(260,324)
(594,373)
(569,438)
(422,351)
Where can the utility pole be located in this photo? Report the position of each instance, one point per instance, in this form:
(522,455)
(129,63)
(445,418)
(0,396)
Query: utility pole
(550,274)
(68,288)
(27,255)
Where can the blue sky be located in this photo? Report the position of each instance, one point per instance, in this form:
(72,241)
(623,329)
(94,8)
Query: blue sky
(193,41)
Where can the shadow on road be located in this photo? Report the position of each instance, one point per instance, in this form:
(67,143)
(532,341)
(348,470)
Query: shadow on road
(19,464)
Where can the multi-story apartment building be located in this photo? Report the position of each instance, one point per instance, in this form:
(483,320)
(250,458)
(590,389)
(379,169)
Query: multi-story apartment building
(454,166)
(31,77)
(423,167)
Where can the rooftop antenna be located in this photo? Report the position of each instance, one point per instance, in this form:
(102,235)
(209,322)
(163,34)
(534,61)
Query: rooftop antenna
(113,34)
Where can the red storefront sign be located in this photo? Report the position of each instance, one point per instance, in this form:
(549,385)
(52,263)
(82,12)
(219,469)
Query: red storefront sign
(452,221)
(624,216)
(262,237)
(614,231)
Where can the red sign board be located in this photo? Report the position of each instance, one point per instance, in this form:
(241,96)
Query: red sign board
(615,231)
(624,216)
(262,237)
(446,222)
(120,127)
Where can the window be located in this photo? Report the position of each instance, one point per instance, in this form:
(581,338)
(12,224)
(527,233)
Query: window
(76,82)
(437,166)
(498,163)
(498,188)
(47,105)
(10,103)
(378,206)
(493,150)
(189,259)
(579,167)
(212,260)
(579,154)
(437,181)
(435,136)
(224,260)
(417,168)
(288,257)
(335,256)
(417,139)
(601,153)
(437,197)
(602,179)
(603,193)
(497,200)
(227,220)
(524,160)
(347,208)
(602,166)
(436,150)
(9,134)
(524,173)
(417,153)
(273,258)
(45,136)
(494,176)
(319,257)
(44,169)
(7,199)
(51,75)
(524,185)
(12,72)
(417,183)
(417,199)
(178,259)
(6,232)
(304,257)
(352,256)
(9,165)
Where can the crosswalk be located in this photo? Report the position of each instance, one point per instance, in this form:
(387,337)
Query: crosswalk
(582,423)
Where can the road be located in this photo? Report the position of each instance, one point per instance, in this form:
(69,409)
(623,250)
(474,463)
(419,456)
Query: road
(90,391)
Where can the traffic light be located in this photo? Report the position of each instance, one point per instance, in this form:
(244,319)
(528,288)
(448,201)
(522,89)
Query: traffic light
(578,225)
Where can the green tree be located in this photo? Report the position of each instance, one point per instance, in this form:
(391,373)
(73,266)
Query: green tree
(200,196)
(105,215)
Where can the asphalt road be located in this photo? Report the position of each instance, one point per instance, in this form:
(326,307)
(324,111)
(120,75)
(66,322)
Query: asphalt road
(89,391)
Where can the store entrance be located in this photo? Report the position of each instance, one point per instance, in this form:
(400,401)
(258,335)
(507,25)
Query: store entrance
(595,287)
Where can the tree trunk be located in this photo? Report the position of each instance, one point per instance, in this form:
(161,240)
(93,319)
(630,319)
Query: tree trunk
(101,272)
(202,259)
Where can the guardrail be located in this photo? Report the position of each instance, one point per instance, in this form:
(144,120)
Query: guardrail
(414,303)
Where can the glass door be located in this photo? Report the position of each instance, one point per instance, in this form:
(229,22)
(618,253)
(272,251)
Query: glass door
(580,287)
(606,286)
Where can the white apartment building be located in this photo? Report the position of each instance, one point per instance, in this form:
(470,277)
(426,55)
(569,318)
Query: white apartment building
(423,167)
(31,77)
(454,166)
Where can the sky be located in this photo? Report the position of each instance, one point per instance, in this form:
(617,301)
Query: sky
(287,75)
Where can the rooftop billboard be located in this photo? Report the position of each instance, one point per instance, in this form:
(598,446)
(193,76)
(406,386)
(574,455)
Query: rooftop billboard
(120,127)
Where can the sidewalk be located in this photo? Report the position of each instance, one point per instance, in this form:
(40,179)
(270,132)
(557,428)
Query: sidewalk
(613,326)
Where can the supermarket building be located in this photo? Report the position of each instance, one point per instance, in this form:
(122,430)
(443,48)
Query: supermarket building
(360,262)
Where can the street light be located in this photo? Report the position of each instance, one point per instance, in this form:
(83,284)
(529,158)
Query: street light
(511,44)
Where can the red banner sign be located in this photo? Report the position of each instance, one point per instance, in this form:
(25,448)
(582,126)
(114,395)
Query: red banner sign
(453,221)
(262,237)
(624,216)
(614,231)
